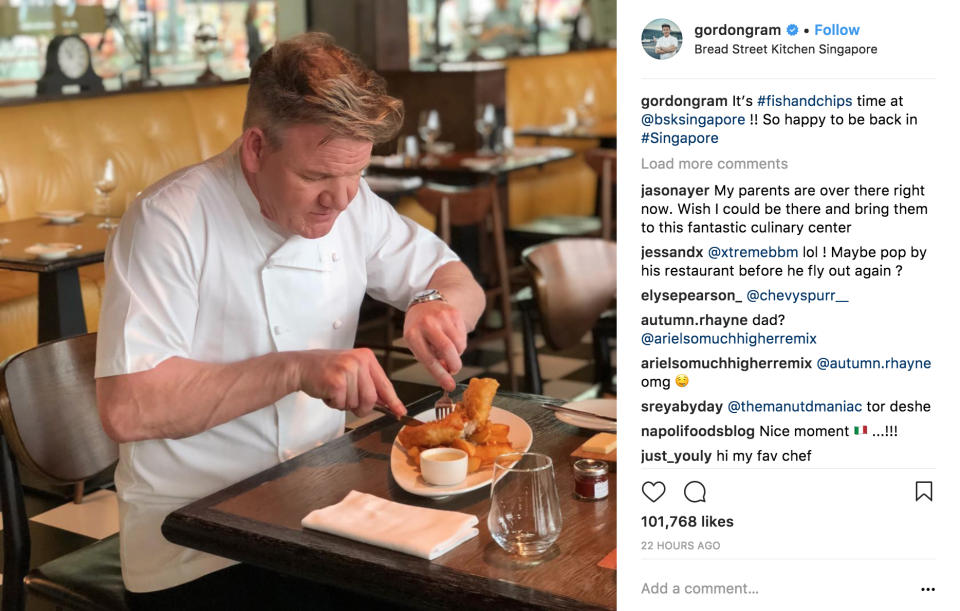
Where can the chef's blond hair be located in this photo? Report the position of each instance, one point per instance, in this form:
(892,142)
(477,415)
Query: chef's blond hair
(309,79)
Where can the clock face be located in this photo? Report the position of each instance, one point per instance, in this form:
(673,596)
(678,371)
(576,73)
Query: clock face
(73,57)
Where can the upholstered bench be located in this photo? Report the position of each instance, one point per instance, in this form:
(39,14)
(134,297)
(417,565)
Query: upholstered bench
(61,145)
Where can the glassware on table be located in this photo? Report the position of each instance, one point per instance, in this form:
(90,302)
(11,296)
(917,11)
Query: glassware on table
(587,106)
(505,141)
(105,184)
(485,123)
(429,129)
(524,516)
(408,148)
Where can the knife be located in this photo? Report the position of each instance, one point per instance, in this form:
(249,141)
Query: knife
(407,420)
(557,408)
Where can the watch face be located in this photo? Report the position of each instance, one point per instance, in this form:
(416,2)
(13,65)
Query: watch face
(73,57)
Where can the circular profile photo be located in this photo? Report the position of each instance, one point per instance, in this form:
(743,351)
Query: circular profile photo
(662,39)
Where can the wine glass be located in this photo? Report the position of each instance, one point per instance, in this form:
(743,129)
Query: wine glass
(105,184)
(486,122)
(587,106)
(429,129)
(524,516)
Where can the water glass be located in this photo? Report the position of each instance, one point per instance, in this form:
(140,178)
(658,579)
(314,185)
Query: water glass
(411,148)
(524,514)
(505,141)
(429,128)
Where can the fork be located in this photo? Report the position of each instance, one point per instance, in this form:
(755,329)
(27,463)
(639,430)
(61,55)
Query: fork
(444,405)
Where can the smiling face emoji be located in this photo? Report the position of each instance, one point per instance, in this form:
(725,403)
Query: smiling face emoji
(682,380)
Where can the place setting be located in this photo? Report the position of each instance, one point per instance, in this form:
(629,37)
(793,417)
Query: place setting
(61,217)
(456,449)
(52,251)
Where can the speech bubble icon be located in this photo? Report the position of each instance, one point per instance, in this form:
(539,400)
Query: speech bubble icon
(695,492)
(924,490)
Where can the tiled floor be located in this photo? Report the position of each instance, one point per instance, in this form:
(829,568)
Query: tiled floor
(58,527)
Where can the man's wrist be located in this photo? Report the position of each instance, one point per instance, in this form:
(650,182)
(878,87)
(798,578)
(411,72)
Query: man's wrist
(426,296)
(292,367)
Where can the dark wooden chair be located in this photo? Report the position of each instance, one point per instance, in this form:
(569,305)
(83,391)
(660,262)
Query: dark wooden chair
(604,162)
(479,206)
(574,287)
(48,409)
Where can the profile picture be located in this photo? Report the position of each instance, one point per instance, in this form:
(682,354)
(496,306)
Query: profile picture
(662,39)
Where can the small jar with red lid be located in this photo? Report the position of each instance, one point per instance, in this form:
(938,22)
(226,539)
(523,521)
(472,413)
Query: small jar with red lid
(591,479)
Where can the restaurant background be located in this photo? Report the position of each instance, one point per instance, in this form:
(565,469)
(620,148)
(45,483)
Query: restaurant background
(439,32)
(174,74)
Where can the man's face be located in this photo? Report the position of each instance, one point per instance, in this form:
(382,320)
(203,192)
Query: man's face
(666,30)
(306,183)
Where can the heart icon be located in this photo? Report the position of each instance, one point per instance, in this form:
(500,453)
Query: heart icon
(653,490)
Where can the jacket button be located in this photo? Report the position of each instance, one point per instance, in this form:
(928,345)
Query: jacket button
(337,324)
(277,330)
(335,256)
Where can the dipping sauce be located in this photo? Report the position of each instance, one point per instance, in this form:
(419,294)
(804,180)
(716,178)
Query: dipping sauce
(591,479)
(446,456)
(443,466)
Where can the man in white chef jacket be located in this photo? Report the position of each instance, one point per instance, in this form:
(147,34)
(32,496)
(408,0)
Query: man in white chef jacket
(232,296)
(667,44)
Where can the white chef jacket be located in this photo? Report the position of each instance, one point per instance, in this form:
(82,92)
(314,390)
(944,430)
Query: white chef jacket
(195,271)
(667,41)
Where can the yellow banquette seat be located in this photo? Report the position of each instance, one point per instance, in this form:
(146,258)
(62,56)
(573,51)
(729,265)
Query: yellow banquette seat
(538,89)
(50,153)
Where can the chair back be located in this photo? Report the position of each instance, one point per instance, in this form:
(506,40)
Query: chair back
(574,282)
(48,408)
(604,163)
(603,160)
(464,206)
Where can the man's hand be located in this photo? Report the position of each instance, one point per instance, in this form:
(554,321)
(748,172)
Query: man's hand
(436,333)
(347,379)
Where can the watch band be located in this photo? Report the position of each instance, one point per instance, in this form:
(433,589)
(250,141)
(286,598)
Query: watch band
(426,297)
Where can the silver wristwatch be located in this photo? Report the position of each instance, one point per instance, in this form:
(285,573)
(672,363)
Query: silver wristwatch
(426,297)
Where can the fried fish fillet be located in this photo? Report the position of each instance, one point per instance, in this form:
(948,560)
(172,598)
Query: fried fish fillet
(472,413)
(433,434)
(477,400)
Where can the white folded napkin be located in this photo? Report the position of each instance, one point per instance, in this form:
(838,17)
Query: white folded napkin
(479,163)
(392,183)
(417,531)
(387,161)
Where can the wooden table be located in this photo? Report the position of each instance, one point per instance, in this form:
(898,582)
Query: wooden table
(451,167)
(258,521)
(604,130)
(60,312)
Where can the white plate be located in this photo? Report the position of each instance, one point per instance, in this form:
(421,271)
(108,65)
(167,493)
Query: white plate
(52,251)
(408,478)
(61,217)
(602,407)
